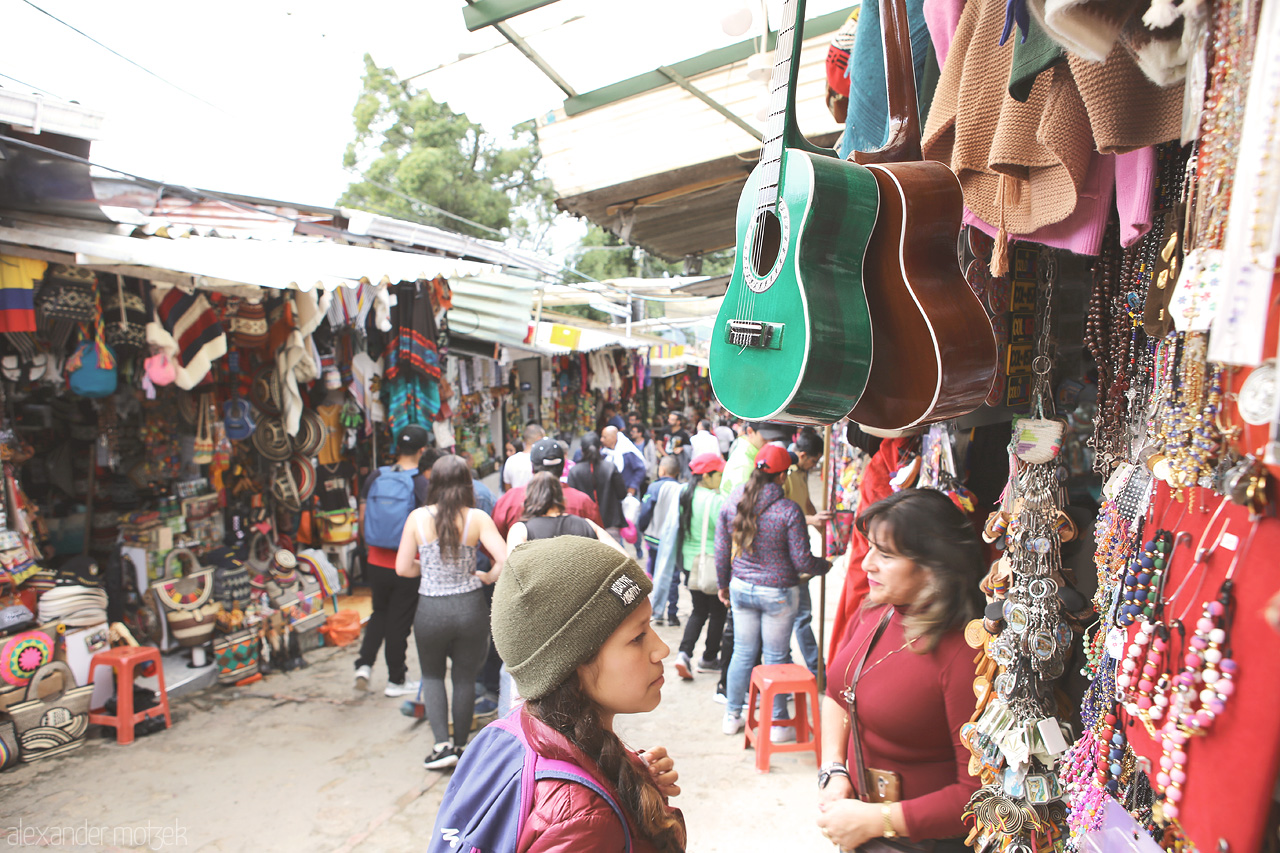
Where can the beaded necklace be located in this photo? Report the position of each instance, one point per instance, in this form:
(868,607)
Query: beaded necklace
(1223,118)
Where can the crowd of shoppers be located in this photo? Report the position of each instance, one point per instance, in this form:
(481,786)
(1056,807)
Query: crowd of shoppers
(485,584)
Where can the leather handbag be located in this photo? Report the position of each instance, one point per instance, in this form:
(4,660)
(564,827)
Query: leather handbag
(185,601)
(236,655)
(55,724)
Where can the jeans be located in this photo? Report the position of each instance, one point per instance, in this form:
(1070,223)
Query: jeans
(709,611)
(395,600)
(763,619)
(488,680)
(672,580)
(804,629)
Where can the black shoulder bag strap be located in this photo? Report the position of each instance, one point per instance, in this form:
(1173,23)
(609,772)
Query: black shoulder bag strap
(851,699)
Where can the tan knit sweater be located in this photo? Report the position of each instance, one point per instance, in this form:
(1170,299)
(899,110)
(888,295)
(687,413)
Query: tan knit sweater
(1041,148)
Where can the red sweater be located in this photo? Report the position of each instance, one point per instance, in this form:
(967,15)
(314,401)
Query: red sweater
(911,709)
(510,508)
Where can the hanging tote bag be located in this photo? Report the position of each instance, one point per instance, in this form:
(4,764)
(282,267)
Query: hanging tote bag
(68,293)
(55,724)
(91,370)
(202,449)
(185,601)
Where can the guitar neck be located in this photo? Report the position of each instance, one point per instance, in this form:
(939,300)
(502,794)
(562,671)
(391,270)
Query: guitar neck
(903,143)
(782,131)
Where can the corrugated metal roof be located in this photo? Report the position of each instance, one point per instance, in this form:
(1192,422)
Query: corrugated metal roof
(493,306)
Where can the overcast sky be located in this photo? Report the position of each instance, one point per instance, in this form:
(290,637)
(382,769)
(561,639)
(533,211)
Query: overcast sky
(256,95)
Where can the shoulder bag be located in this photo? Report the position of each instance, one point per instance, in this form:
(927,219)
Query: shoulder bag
(875,786)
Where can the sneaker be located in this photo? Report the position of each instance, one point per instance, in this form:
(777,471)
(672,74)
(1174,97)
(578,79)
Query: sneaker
(443,757)
(684,667)
(363,674)
(485,707)
(403,688)
(705,665)
(658,620)
(720,699)
(673,621)
(733,723)
(782,734)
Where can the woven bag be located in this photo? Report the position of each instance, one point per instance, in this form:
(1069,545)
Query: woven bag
(55,724)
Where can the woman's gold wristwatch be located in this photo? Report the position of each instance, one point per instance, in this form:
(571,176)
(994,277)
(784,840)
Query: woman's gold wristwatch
(886,812)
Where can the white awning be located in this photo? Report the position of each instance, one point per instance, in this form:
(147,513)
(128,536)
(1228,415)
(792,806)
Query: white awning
(302,263)
(487,303)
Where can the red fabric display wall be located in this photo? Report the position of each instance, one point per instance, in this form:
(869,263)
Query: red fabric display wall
(1231,772)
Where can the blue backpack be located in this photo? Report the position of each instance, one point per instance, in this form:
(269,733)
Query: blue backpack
(391,499)
(490,795)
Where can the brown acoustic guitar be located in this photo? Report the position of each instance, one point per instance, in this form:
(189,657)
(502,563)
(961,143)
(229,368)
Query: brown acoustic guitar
(934,351)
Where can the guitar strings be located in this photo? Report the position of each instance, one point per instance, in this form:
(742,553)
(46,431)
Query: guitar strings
(769,193)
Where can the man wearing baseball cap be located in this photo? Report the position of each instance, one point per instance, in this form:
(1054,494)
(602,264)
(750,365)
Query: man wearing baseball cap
(545,455)
(395,599)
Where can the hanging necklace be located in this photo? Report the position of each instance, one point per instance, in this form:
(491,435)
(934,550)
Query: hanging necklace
(1208,677)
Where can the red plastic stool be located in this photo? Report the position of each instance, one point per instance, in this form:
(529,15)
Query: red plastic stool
(128,662)
(768,682)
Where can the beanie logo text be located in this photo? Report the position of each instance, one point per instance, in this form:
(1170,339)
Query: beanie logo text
(625,589)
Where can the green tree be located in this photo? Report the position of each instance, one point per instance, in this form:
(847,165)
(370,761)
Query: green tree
(417,157)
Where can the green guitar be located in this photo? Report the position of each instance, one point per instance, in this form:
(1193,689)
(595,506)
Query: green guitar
(792,340)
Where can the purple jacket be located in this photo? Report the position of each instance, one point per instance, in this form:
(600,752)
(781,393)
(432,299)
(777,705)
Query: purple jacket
(780,552)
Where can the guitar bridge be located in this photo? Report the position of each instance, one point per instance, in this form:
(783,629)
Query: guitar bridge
(755,334)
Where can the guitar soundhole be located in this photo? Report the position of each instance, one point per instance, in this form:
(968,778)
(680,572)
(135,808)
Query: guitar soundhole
(767,245)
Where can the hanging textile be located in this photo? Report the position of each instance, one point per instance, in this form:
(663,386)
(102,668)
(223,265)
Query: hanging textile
(412,374)
(17,291)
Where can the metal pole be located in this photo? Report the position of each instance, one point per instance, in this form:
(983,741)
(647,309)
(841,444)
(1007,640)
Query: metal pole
(822,581)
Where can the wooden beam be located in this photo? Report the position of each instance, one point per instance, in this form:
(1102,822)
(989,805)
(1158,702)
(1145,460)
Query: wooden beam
(683,82)
(484,13)
(612,209)
(710,61)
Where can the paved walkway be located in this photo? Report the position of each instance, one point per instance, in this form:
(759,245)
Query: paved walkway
(300,761)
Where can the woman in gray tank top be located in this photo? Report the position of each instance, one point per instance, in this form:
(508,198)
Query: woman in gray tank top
(451,627)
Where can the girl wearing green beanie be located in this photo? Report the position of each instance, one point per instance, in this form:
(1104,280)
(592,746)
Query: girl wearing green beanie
(571,621)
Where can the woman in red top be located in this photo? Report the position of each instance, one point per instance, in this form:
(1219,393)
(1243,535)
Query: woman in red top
(912,673)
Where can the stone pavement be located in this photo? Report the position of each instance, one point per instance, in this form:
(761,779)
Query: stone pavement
(300,761)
